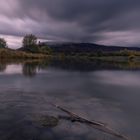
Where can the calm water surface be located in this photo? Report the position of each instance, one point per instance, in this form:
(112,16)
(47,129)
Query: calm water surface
(98,92)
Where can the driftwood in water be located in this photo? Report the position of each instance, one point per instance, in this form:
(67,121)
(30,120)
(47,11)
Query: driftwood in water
(97,125)
(69,118)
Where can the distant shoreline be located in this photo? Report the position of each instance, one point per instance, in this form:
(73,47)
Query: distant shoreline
(121,56)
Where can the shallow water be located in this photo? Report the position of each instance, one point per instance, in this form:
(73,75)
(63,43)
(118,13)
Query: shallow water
(99,92)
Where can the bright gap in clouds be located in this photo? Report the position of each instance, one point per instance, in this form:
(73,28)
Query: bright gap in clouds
(13,42)
(127,38)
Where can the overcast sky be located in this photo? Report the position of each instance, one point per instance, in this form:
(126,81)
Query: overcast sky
(110,22)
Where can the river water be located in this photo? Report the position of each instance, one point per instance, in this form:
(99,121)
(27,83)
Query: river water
(100,91)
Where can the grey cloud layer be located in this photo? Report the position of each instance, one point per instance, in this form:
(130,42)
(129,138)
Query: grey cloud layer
(73,20)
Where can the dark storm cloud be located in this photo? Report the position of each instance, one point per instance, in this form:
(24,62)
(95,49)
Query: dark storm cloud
(87,13)
(108,21)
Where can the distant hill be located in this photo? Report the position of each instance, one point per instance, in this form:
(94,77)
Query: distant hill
(68,47)
(84,47)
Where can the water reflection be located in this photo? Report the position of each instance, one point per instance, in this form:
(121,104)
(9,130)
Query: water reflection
(27,68)
(103,91)
(2,67)
(31,68)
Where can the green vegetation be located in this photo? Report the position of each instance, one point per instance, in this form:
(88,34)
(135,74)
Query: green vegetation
(45,50)
(30,45)
(3,43)
(29,41)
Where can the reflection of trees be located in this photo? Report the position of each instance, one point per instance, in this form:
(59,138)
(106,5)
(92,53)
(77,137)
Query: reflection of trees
(2,67)
(30,69)
(86,64)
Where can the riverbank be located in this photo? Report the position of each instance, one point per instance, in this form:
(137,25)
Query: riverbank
(15,54)
(6,53)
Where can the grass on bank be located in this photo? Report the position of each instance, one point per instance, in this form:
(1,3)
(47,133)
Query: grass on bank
(14,54)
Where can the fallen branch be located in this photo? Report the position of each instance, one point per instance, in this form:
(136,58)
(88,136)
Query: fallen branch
(97,125)
(76,120)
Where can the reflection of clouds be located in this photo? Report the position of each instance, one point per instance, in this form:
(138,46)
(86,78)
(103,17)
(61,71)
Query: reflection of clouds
(13,69)
(120,78)
(26,69)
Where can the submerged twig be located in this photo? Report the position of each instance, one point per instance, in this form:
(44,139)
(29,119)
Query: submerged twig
(97,125)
